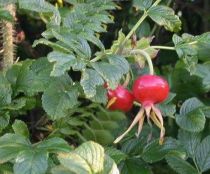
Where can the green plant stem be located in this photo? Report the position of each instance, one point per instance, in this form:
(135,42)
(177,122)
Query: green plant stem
(163,47)
(147,57)
(96,59)
(199,172)
(156,3)
(135,27)
(192,43)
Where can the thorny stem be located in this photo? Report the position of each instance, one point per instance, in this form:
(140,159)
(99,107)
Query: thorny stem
(8,39)
(147,57)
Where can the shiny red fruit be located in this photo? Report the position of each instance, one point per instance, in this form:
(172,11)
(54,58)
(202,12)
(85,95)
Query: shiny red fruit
(123,99)
(150,89)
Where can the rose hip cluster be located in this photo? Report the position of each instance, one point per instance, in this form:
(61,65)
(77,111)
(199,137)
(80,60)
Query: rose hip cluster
(148,90)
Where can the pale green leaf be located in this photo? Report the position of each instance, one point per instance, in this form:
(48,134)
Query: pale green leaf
(74,163)
(166,17)
(93,153)
(110,166)
(61,170)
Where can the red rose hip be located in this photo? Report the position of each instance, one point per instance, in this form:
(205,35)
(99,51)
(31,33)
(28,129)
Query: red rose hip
(150,89)
(120,99)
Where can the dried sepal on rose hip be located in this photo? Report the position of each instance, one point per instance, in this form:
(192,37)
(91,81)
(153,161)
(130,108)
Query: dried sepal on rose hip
(120,99)
(149,90)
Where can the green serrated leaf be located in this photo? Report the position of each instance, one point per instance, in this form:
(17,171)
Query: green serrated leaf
(206,111)
(154,152)
(165,16)
(202,154)
(191,118)
(58,99)
(190,141)
(30,77)
(89,81)
(74,163)
(54,145)
(142,4)
(202,71)
(104,137)
(115,154)
(31,161)
(93,154)
(112,72)
(180,165)
(11,145)
(134,166)
(4,120)
(192,122)
(101,95)
(190,105)
(88,158)
(167,109)
(62,62)
(41,6)
(5,91)
(55,46)
(110,166)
